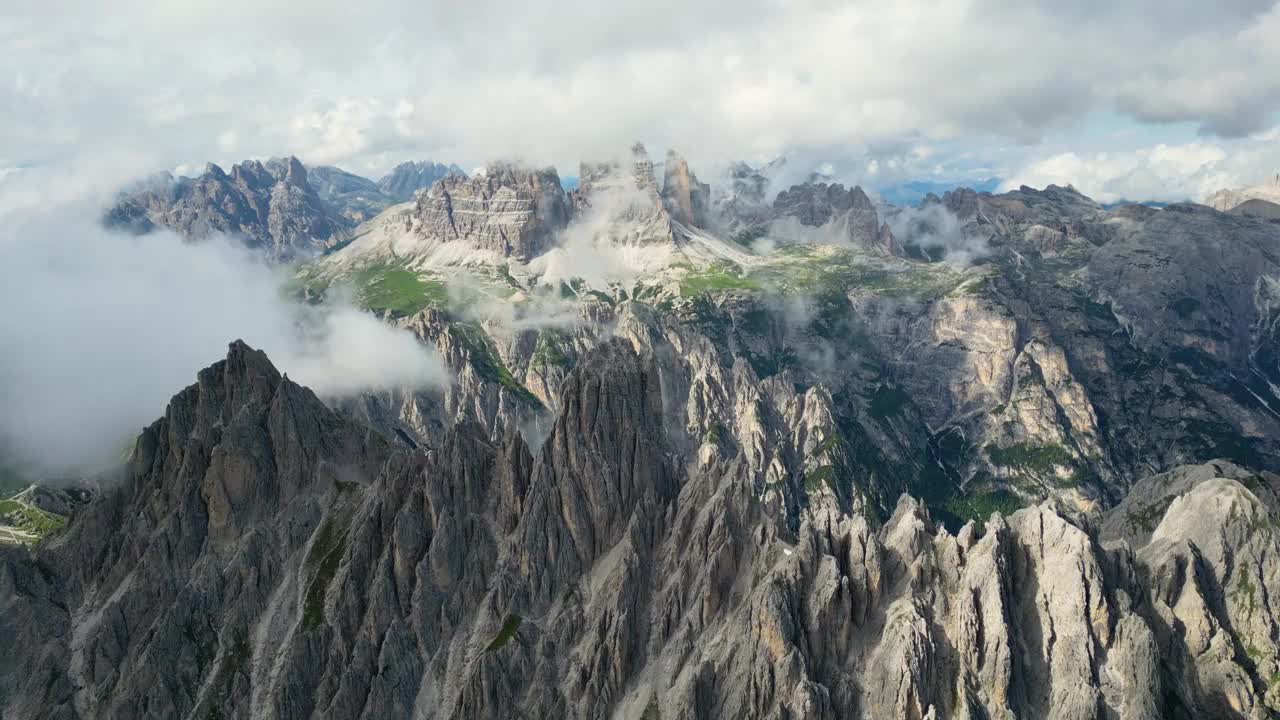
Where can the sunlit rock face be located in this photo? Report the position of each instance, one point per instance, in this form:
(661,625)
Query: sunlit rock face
(507,210)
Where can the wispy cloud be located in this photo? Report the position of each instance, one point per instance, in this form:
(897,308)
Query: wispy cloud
(101,329)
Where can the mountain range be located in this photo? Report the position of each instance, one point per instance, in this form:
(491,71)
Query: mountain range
(1228,199)
(279,207)
(710,450)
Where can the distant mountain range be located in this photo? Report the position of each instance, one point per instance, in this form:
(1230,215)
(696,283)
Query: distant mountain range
(280,207)
(915,191)
(1228,199)
(736,452)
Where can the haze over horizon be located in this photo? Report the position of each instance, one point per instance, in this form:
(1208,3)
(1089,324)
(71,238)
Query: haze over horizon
(1149,101)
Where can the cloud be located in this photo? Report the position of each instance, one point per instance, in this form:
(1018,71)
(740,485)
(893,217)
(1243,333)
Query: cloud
(600,246)
(363,85)
(101,329)
(1169,172)
(936,231)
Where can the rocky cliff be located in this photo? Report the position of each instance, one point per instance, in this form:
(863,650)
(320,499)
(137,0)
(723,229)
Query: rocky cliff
(687,199)
(1031,475)
(272,208)
(268,558)
(406,179)
(507,210)
(279,207)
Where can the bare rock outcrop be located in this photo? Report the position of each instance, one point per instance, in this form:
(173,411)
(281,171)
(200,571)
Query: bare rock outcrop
(268,558)
(507,210)
(271,207)
(849,214)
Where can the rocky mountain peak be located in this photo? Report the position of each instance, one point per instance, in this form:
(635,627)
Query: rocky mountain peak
(851,212)
(1226,199)
(275,559)
(509,210)
(271,207)
(408,178)
(685,198)
(634,219)
(295,172)
(252,175)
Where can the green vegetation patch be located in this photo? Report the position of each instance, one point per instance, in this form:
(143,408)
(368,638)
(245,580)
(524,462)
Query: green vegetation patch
(1185,307)
(978,506)
(714,434)
(1029,456)
(825,474)
(486,362)
(507,632)
(748,236)
(1148,518)
(820,268)
(717,277)
(887,401)
(348,486)
(547,350)
(831,438)
(1245,592)
(30,518)
(324,557)
(819,476)
(398,290)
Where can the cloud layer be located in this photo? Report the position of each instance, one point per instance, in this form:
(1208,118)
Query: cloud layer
(366,84)
(1187,171)
(101,329)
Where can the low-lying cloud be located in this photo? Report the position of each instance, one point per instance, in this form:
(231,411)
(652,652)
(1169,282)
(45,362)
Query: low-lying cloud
(100,329)
(605,245)
(935,232)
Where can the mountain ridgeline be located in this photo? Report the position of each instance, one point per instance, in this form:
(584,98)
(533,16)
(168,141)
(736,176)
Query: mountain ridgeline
(280,208)
(993,456)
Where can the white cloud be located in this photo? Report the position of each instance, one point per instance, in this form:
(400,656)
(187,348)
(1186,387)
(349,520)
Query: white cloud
(101,329)
(1189,171)
(367,84)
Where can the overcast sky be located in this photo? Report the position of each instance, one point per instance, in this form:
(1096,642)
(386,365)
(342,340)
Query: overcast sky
(1148,99)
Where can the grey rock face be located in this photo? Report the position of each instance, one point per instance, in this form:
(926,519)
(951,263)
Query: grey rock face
(268,558)
(406,179)
(273,209)
(690,507)
(820,205)
(356,198)
(1261,209)
(510,211)
(685,198)
(628,203)
(744,202)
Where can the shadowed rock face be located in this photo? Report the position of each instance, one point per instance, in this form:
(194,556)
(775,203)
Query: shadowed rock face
(686,199)
(269,558)
(1261,209)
